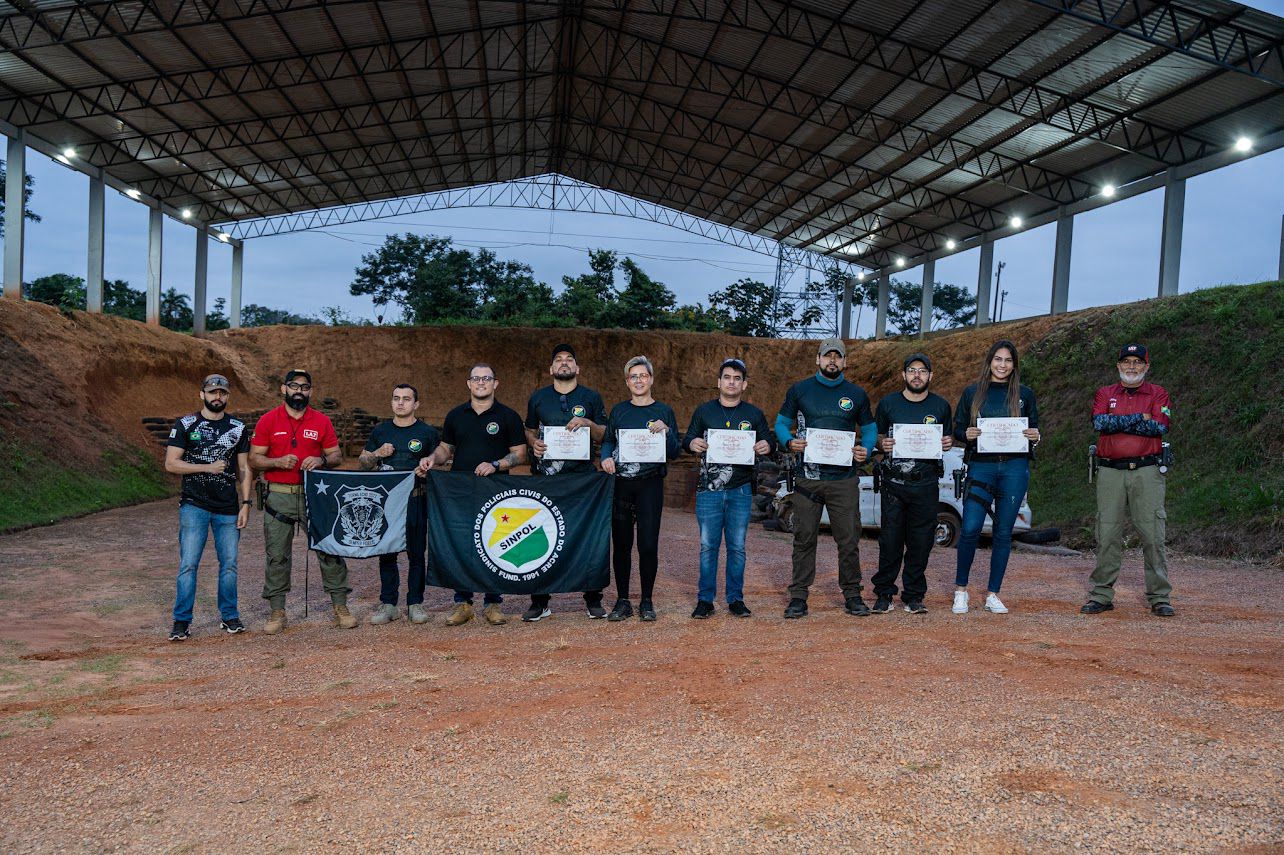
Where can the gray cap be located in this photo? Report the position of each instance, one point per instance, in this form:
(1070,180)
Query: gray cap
(215,381)
(833,344)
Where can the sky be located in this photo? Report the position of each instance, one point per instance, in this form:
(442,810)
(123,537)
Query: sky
(1232,234)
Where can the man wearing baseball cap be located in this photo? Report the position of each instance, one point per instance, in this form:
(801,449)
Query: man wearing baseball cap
(288,441)
(826,400)
(210,450)
(1132,417)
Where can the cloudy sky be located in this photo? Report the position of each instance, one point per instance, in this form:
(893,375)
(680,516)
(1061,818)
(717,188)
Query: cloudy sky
(1232,235)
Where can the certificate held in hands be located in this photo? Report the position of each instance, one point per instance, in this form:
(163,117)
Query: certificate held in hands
(829,447)
(917,442)
(1002,436)
(731,446)
(566,444)
(641,446)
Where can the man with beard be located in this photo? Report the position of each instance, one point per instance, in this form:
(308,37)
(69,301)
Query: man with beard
(483,437)
(1132,417)
(826,400)
(909,489)
(288,441)
(724,495)
(397,445)
(210,449)
(564,404)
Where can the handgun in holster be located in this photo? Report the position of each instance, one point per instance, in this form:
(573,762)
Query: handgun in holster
(260,493)
(960,476)
(1092,462)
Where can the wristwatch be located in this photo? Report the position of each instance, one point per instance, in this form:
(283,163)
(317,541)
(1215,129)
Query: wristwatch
(247,501)
(496,463)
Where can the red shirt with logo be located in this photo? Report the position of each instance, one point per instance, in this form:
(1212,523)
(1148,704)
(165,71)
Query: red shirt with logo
(1118,400)
(304,437)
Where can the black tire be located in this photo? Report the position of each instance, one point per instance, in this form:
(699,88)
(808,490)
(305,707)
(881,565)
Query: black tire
(948,528)
(761,502)
(1038,535)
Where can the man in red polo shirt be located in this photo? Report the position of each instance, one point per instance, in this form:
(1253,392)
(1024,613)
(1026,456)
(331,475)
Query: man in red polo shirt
(288,441)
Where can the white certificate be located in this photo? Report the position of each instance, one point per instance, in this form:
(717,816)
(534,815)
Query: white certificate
(566,444)
(731,446)
(829,447)
(640,446)
(1002,436)
(917,442)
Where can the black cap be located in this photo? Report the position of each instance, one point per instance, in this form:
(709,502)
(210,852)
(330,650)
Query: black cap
(563,348)
(917,357)
(296,372)
(738,364)
(1137,350)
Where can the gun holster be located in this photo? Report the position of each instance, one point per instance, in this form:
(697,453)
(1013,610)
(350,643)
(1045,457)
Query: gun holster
(260,494)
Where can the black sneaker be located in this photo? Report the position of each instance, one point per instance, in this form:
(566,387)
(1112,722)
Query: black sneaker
(646,611)
(882,605)
(916,607)
(856,606)
(596,612)
(623,611)
(1162,610)
(1092,607)
(233,626)
(179,631)
(739,609)
(535,613)
(703,609)
(797,608)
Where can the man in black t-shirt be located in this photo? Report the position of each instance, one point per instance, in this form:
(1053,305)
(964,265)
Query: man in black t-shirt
(910,488)
(397,445)
(210,449)
(563,404)
(483,437)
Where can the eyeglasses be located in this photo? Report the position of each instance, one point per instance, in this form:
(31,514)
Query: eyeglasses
(476,379)
(920,372)
(299,387)
(633,377)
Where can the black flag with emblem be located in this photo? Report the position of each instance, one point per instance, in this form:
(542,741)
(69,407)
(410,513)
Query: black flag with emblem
(357,514)
(511,535)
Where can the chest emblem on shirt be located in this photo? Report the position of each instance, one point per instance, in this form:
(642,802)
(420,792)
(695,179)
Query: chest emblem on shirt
(311,434)
(1113,403)
(415,445)
(929,420)
(845,404)
(578,411)
(649,422)
(746,426)
(492,428)
(195,436)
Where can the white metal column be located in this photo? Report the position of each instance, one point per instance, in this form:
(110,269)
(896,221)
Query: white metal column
(202,280)
(238,271)
(1170,242)
(929,282)
(1061,263)
(884,294)
(15,210)
(97,228)
(845,325)
(984,279)
(155,238)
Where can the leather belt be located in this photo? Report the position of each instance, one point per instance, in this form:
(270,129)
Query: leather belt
(1129,462)
(274,487)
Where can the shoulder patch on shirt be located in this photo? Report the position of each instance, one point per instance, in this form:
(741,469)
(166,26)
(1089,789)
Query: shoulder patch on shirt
(173,432)
(1168,411)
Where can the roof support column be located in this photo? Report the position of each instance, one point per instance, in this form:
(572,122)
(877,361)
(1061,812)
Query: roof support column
(1061,263)
(238,271)
(1281,270)
(202,281)
(1170,241)
(845,325)
(984,278)
(94,251)
(155,237)
(929,282)
(15,211)
(884,291)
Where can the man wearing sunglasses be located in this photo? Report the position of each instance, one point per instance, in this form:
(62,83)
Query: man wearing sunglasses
(288,441)
(483,437)
(563,404)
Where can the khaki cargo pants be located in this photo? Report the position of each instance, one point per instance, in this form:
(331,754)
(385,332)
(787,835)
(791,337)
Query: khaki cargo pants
(1137,494)
(279,540)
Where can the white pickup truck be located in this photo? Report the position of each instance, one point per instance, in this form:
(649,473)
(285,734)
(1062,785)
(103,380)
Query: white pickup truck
(949,512)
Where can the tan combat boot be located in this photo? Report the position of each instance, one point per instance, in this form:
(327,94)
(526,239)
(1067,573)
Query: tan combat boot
(343,618)
(462,614)
(493,615)
(276,622)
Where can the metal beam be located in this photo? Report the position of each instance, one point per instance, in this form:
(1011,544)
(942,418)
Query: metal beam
(155,239)
(1061,263)
(929,283)
(1280,275)
(200,295)
(15,212)
(95,248)
(884,292)
(984,279)
(1170,239)
(846,327)
(238,275)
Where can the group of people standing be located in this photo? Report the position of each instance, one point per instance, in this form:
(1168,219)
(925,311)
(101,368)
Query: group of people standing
(215,454)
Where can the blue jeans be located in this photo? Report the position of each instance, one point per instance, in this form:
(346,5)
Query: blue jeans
(1004,484)
(719,512)
(194,526)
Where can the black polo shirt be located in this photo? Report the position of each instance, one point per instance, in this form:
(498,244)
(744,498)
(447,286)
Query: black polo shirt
(549,408)
(482,438)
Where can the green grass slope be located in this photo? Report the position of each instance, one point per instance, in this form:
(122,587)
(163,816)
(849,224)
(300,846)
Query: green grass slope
(1219,353)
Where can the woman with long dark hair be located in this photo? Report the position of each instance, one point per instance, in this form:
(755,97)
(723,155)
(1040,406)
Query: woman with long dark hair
(996,483)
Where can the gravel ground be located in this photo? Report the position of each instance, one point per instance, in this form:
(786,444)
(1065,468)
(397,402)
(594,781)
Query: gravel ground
(1040,730)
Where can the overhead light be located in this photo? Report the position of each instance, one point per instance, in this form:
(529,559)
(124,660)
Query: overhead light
(861,276)
(1016,222)
(69,153)
(1108,191)
(223,236)
(950,244)
(1243,144)
(900,262)
(187,213)
(133,194)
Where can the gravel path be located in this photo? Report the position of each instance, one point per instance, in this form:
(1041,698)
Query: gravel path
(1038,731)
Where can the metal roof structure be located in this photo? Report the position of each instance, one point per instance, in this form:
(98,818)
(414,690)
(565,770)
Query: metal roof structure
(863,130)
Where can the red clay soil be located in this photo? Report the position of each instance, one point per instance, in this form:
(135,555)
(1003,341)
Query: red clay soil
(1040,730)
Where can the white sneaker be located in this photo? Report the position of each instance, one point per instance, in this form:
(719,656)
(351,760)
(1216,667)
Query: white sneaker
(960,603)
(994,604)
